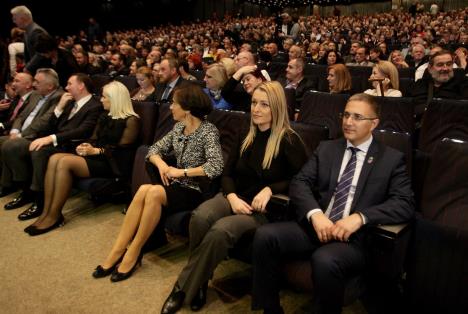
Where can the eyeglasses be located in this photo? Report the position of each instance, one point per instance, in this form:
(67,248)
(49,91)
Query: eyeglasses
(354,116)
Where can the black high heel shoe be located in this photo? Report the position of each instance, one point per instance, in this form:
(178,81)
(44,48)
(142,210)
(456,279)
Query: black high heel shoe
(101,272)
(34,231)
(174,301)
(117,276)
(199,300)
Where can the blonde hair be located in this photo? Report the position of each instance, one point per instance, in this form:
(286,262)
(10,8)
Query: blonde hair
(21,10)
(279,122)
(389,70)
(119,97)
(229,65)
(218,72)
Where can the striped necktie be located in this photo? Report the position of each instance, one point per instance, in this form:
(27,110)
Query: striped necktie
(343,187)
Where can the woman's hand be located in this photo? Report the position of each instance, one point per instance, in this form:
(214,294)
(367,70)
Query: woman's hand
(174,173)
(86,149)
(239,206)
(261,199)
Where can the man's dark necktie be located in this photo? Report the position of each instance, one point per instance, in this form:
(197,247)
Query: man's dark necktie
(343,187)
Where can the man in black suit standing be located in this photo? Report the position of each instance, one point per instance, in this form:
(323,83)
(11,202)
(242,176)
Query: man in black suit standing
(22,17)
(73,119)
(347,185)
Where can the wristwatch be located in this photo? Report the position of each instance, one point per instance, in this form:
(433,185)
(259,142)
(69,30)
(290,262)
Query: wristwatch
(185,172)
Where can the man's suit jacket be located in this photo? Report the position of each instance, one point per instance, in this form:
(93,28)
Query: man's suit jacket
(383,192)
(79,127)
(304,85)
(7,124)
(41,120)
(31,37)
(160,88)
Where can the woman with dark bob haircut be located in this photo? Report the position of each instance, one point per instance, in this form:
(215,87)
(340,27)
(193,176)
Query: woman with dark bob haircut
(195,144)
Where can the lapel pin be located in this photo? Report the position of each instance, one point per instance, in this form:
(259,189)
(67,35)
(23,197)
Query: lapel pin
(370,160)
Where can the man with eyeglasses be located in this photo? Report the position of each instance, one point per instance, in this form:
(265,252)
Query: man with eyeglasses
(439,81)
(347,185)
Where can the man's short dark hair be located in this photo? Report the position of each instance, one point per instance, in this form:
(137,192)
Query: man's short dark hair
(86,80)
(191,97)
(368,99)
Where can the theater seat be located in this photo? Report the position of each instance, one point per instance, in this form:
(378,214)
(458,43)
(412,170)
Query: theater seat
(443,118)
(129,81)
(323,109)
(438,269)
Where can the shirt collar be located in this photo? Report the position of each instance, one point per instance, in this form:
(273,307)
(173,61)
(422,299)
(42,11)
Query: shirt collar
(173,83)
(26,96)
(80,103)
(364,147)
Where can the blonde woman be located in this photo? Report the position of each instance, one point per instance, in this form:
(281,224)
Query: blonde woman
(110,150)
(396,57)
(195,145)
(260,166)
(385,75)
(339,79)
(215,79)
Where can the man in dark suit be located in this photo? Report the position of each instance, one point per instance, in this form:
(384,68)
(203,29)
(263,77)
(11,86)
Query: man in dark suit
(34,117)
(23,87)
(73,119)
(169,78)
(347,185)
(22,17)
(295,79)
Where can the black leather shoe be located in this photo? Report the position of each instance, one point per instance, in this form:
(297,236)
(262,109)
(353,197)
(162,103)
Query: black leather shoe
(30,213)
(117,276)
(174,302)
(34,231)
(101,272)
(20,201)
(199,300)
(6,191)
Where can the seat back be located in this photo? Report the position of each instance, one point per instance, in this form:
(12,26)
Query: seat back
(406,73)
(232,126)
(129,81)
(323,109)
(310,134)
(396,114)
(405,84)
(290,94)
(399,141)
(443,118)
(139,174)
(165,121)
(99,80)
(445,194)
(148,112)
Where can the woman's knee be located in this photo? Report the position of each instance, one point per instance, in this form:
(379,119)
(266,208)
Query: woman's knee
(156,193)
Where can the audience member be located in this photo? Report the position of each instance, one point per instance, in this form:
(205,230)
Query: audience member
(195,143)
(384,75)
(347,184)
(339,79)
(439,81)
(147,90)
(215,79)
(106,154)
(74,118)
(22,17)
(262,165)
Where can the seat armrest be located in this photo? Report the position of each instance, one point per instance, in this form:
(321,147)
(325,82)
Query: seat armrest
(391,231)
(281,198)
